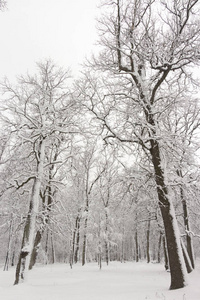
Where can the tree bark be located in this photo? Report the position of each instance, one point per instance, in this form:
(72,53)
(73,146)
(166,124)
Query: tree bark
(186,258)
(159,246)
(30,226)
(176,260)
(34,253)
(77,239)
(148,239)
(47,202)
(84,242)
(165,254)
(106,241)
(9,244)
(136,246)
(187,226)
(53,249)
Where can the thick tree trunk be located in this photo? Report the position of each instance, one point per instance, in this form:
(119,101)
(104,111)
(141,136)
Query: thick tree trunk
(47,206)
(30,226)
(176,260)
(20,269)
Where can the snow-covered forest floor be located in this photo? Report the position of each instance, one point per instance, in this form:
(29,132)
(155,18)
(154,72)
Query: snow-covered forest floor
(118,281)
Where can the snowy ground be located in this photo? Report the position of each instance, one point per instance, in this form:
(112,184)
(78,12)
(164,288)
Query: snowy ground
(126,281)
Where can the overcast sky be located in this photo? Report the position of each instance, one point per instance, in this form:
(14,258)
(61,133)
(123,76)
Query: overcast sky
(31,30)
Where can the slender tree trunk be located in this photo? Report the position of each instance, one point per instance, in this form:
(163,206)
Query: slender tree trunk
(72,247)
(9,244)
(165,254)
(53,249)
(34,253)
(122,255)
(159,247)
(186,258)
(13,253)
(176,260)
(100,261)
(148,239)
(13,258)
(77,240)
(106,241)
(187,225)
(46,246)
(84,242)
(136,246)
(30,226)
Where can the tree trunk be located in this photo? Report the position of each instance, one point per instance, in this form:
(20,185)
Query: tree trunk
(165,254)
(46,246)
(187,226)
(84,242)
(53,249)
(9,244)
(159,246)
(22,257)
(148,239)
(106,241)
(34,253)
(72,248)
(77,239)
(176,260)
(136,246)
(186,258)
(30,226)
(47,201)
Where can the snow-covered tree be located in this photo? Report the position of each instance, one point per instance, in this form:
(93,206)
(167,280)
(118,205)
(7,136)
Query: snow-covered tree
(147,48)
(40,114)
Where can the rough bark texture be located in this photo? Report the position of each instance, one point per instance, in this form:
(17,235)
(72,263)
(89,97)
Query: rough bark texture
(176,260)
(47,201)
(30,226)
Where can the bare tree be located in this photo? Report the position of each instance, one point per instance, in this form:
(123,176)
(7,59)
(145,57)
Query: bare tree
(147,48)
(38,108)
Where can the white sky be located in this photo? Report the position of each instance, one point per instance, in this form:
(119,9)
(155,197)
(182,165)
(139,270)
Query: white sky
(31,30)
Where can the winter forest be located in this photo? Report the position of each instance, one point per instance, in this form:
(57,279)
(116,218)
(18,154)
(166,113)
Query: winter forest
(105,167)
